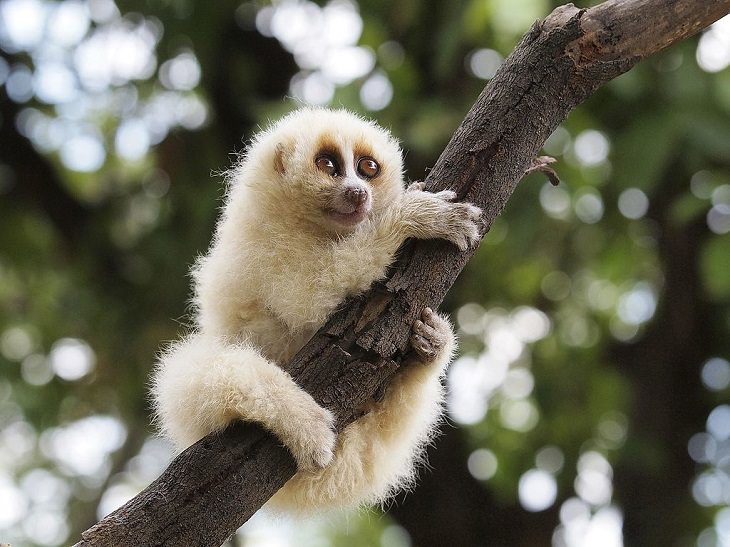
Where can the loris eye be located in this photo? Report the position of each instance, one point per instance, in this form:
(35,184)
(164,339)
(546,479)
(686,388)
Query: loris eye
(368,168)
(327,164)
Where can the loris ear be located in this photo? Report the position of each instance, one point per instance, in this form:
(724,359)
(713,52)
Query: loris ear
(282,155)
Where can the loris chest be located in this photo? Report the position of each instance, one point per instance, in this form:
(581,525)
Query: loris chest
(303,290)
(259,326)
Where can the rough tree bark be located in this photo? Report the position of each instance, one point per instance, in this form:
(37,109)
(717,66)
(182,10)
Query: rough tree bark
(218,483)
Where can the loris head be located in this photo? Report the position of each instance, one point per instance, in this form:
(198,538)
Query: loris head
(324,168)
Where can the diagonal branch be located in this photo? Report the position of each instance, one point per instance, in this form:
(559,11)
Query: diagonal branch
(218,483)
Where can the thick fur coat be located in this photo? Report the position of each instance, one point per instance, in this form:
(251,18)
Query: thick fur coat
(315,212)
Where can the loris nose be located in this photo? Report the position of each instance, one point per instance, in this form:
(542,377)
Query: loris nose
(356,195)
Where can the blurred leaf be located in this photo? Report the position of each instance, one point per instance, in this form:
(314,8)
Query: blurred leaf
(687,208)
(714,267)
(644,148)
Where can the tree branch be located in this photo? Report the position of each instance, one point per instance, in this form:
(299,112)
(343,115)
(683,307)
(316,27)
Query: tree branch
(218,483)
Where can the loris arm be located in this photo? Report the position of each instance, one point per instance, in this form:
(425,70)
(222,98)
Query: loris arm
(415,214)
(204,382)
(427,215)
(457,222)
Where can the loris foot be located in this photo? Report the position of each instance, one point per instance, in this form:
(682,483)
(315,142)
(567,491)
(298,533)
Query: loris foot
(431,334)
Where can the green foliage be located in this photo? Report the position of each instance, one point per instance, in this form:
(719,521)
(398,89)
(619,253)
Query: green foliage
(715,263)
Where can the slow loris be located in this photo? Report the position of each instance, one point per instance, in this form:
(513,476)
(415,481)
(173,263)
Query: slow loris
(315,212)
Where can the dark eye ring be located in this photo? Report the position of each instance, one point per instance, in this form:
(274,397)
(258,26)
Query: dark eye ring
(367,167)
(327,164)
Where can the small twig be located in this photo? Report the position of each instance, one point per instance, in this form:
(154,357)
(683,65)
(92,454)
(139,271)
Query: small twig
(542,164)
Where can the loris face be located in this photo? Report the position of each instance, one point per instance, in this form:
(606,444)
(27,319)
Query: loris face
(335,170)
(349,177)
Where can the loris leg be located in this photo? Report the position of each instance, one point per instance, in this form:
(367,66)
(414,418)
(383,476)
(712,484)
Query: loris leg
(406,419)
(377,455)
(412,402)
(203,383)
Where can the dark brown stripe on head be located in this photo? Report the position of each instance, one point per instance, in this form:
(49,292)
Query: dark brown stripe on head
(326,145)
(362,149)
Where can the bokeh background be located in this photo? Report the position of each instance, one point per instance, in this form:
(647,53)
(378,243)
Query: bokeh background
(589,406)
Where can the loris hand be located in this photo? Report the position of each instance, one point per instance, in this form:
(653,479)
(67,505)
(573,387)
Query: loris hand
(439,216)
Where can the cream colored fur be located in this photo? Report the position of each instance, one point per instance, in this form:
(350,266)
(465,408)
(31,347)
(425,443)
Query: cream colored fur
(280,263)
